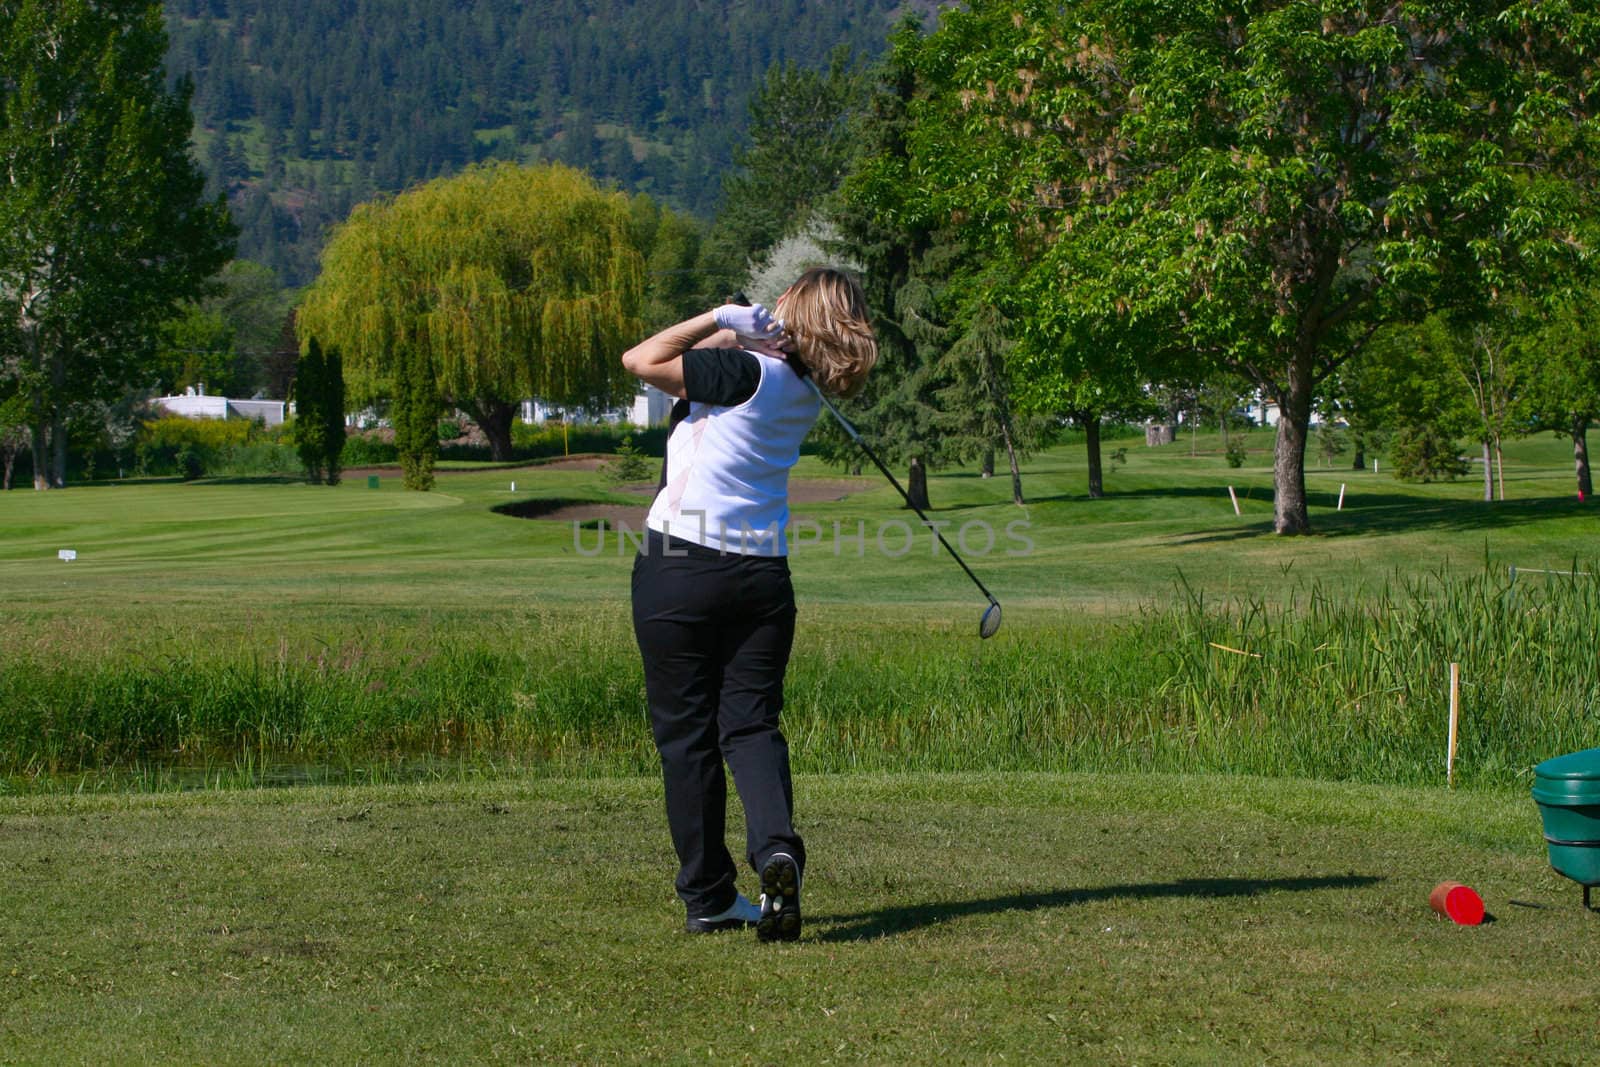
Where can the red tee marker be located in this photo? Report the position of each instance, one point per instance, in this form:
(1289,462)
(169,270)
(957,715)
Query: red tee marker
(1457,902)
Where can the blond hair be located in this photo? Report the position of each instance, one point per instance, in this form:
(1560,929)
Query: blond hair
(825,312)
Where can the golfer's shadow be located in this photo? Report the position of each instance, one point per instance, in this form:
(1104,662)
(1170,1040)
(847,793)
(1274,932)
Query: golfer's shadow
(885,921)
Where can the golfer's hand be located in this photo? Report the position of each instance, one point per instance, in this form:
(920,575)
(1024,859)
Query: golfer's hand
(754,323)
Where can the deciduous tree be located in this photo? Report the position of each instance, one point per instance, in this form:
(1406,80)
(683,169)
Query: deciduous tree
(103,223)
(1264,185)
(1560,378)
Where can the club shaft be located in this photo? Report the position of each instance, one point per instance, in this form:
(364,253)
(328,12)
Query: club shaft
(856,437)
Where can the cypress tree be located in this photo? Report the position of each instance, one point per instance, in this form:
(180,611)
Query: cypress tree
(333,415)
(310,428)
(415,415)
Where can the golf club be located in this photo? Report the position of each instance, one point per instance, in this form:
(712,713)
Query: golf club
(990,622)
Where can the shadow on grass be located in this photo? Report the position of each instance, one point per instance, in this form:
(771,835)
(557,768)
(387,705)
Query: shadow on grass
(1396,515)
(1457,515)
(884,922)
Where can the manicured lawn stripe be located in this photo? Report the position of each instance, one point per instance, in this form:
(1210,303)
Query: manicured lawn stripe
(976,918)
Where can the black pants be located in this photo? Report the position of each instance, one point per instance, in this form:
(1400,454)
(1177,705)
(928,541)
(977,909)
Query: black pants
(715,632)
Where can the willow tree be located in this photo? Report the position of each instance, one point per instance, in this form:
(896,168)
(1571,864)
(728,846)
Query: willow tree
(507,281)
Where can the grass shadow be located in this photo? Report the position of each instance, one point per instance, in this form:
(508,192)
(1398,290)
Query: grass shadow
(1407,515)
(863,926)
(1448,515)
(1167,492)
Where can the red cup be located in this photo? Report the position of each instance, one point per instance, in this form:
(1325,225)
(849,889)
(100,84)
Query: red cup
(1458,903)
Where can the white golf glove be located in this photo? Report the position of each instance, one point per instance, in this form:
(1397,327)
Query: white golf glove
(754,322)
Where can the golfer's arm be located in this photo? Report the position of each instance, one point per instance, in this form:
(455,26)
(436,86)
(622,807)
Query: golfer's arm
(658,360)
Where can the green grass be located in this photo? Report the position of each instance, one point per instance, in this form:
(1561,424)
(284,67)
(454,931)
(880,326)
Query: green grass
(502,889)
(217,631)
(171,544)
(980,918)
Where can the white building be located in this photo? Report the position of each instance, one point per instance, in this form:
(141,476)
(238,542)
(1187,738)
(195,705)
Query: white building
(195,404)
(1265,412)
(651,407)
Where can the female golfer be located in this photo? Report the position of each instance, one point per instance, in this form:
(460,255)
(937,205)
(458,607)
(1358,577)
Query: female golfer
(713,609)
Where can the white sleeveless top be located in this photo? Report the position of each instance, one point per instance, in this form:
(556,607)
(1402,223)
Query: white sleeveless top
(728,467)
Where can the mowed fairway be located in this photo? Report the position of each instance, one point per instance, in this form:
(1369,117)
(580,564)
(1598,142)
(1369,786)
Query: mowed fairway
(509,897)
(975,919)
(254,550)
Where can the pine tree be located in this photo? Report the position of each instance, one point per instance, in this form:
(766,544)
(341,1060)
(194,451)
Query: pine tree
(352,79)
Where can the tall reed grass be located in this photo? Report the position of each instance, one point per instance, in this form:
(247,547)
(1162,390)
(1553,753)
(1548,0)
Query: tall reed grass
(1354,683)
(1345,684)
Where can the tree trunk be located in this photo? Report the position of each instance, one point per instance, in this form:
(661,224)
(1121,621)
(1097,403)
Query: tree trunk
(1488,473)
(1091,442)
(11,459)
(986,464)
(1289,514)
(917,484)
(58,452)
(1016,472)
(41,469)
(1580,456)
(1011,456)
(58,421)
(1360,463)
(494,418)
(1499,466)
(33,362)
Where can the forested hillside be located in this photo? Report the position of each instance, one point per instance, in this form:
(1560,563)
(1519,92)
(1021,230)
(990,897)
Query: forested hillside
(306,107)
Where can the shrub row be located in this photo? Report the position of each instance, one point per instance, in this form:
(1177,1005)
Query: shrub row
(195,448)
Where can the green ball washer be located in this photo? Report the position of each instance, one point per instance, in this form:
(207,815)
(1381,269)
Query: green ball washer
(1567,790)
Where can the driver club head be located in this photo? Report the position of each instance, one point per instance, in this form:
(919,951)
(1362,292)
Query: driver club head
(990,623)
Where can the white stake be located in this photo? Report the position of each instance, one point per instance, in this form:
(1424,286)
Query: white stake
(1341,497)
(1234,498)
(1455,714)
